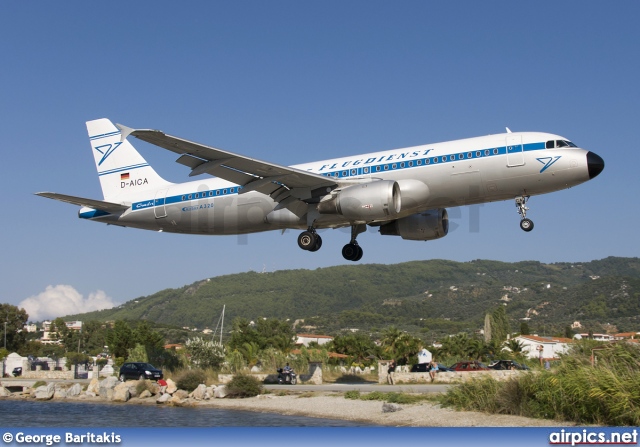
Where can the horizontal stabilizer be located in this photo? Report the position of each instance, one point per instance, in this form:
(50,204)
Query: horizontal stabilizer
(109,207)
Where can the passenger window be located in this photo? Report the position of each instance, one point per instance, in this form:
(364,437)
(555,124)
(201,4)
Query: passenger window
(550,144)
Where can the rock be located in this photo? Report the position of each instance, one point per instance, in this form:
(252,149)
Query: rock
(390,408)
(94,387)
(199,392)
(75,390)
(4,392)
(107,386)
(220,392)
(181,394)
(59,392)
(265,396)
(121,393)
(164,398)
(171,387)
(256,369)
(153,388)
(145,394)
(90,394)
(177,401)
(45,392)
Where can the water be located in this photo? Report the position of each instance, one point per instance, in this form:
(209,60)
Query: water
(28,413)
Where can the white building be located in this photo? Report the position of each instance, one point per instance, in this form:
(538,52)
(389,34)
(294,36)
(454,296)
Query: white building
(551,347)
(305,339)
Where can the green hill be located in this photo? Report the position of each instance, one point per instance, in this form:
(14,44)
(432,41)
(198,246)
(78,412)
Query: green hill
(429,297)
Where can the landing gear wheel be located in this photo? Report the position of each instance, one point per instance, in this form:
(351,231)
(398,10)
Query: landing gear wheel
(318,243)
(526,224)
(307,240)
(352,252)
(360,253)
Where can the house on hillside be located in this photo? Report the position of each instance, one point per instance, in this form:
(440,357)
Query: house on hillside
(597,337)
(305,339)
(628,336)
(552,347)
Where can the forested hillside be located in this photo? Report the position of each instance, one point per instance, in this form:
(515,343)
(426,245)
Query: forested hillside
(429,297)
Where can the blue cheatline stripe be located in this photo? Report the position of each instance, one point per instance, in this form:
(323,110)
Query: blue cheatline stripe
(125,168)
(92,214)
(425,161)
(104,135)
(348,172)
(210,194)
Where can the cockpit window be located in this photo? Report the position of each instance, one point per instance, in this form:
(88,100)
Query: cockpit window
(559,143)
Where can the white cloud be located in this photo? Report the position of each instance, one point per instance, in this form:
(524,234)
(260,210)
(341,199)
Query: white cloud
(60,300)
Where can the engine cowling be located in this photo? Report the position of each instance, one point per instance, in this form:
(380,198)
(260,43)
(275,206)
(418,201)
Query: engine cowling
(366,201)
(426,226)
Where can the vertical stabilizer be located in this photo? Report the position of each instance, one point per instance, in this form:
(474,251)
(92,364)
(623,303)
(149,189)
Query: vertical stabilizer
(122,170)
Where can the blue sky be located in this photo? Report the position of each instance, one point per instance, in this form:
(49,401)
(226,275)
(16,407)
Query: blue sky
(291,82)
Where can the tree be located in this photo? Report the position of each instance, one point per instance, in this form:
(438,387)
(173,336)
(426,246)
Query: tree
(500,327)
(15,318)
(120,339)
(205,353)
(267,332)
(524,328)
(357,345)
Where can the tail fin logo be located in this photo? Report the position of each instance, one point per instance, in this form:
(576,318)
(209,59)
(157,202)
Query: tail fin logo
(106,150)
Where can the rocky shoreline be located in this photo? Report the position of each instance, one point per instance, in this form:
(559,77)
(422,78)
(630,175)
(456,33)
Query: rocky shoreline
(310,404)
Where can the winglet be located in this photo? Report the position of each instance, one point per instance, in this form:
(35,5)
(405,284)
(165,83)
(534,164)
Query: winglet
(124,131)
(508,130)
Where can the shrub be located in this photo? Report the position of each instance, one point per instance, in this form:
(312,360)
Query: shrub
(243,385)
(352,394)
(39,383)
(189,380)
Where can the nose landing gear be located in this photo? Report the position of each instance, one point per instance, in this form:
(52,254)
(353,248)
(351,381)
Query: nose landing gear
(525,224)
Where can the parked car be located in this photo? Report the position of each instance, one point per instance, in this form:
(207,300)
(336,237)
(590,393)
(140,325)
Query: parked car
(139,371)
(469,366)
(506,365)
(424,367)
(16,371)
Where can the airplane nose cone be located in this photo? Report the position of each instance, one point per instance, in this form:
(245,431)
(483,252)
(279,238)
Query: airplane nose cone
(595,164)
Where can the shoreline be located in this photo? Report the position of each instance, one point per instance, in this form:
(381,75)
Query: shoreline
(332,405)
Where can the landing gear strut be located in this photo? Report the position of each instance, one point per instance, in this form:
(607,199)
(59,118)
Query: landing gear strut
(352,251)
(525,224)
(310,240)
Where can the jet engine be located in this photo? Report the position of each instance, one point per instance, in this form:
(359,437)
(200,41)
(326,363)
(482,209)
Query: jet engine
(425,226)
(367,201)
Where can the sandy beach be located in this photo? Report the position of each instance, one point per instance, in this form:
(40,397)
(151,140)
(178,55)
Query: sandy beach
(335,406)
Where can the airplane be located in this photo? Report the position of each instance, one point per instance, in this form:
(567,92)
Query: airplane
(403,192)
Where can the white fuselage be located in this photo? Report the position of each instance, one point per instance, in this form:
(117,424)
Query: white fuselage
(455,173)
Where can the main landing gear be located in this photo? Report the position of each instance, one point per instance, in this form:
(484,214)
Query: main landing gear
(352,251)
(310,240)
(525,224)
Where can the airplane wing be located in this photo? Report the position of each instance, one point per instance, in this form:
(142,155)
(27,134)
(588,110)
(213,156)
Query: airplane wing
(281,182)
(109,207)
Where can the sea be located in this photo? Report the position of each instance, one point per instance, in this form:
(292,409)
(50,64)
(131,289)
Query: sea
(29,413)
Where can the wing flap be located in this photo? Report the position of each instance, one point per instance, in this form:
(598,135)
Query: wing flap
(109,207)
